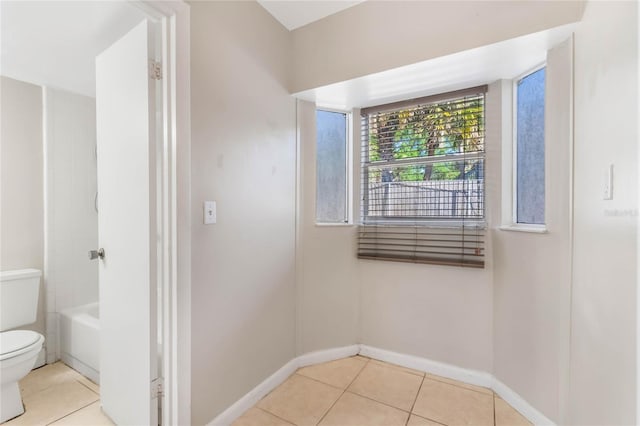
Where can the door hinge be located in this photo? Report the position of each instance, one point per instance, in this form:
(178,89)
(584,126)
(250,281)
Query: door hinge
(155,70)
(157,388)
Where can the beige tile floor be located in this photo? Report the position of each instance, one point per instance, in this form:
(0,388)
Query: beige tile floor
(57,395)
(355,391)
(359,391)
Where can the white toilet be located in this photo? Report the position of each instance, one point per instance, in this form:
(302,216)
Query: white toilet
(18,348)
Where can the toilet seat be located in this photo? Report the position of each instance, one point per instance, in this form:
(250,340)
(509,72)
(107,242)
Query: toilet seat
(17,342)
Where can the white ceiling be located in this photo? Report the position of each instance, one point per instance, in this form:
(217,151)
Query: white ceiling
(483,65)
(54,43)
(298,13)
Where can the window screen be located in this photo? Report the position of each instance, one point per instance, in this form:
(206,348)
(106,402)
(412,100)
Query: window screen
(530,148)
(331,167)
(423,180)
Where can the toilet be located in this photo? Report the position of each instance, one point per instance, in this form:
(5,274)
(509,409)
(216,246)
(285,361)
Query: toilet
(19,349)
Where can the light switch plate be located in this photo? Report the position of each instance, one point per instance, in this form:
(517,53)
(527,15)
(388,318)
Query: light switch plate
(209,211)
(607,183)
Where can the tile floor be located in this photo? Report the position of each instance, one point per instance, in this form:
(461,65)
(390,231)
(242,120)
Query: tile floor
(57,395)
(355,391)
(359,391)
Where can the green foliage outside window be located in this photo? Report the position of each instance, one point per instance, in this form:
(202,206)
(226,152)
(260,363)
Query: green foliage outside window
(441,129)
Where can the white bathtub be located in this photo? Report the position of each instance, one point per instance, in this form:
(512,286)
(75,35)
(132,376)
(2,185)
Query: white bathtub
(80,339)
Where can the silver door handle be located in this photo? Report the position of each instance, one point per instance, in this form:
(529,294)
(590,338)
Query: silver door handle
(94,254)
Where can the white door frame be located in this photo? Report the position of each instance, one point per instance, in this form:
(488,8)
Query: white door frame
(174,18)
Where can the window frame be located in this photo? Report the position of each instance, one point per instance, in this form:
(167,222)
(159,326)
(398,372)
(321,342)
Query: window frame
(513,224)
(453,240)
(471,223)
(348,169)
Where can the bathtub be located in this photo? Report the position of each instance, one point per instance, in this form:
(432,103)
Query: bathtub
(80,339)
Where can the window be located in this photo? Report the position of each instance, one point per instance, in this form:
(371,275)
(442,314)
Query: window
(332,167)
(423,180)
(529,182)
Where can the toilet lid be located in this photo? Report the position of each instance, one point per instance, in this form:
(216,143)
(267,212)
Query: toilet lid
(12,342)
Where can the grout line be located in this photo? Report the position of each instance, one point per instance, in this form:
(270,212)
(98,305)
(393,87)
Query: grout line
(359,373)
(376,401)
(70,413)
(426,418)
(343,392)
(311,378)
(416,399)
(367,360)
(329,409)
(268,412)
(78,381)
(315,380)
(399,368)
(325,383)
(66,380)
(462,385)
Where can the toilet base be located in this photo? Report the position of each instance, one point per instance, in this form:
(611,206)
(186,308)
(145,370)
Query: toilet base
(10,402)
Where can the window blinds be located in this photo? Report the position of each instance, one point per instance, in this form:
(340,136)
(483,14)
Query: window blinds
(423,180)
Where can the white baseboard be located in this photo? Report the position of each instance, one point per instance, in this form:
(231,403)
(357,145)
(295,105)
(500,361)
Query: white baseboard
(473,377)
(517,402)
(229,415)
(327,355)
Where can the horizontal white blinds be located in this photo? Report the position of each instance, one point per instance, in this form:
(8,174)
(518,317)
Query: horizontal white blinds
(423,180)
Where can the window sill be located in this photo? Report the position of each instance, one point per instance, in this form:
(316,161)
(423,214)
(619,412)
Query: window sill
(532,229)
(330,225)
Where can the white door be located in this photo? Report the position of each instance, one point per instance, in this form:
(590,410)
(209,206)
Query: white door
(125,98)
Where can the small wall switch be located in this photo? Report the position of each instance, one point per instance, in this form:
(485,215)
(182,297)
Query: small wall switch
(607,183)
(209,210)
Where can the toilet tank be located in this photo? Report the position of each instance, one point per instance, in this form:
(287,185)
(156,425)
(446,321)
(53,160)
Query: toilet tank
(19,297)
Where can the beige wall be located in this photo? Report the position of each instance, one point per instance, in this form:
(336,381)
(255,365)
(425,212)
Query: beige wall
(604,314)
(379,35)
(532,271)
(328,278)
(243,157)
(514,318)
(21,182)
(436,312)
(440,313)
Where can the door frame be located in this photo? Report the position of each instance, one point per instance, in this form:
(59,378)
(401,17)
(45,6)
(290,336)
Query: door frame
(175,261)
